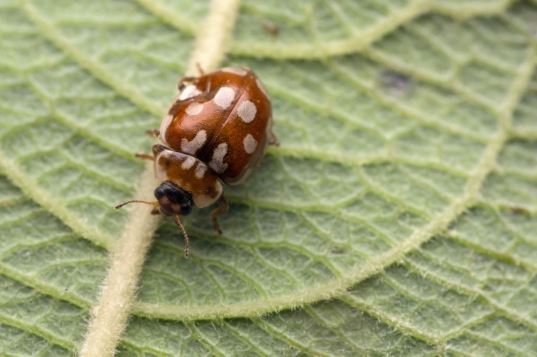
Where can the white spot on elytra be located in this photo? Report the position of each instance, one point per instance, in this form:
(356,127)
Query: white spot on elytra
(164,127)
(217,162)
(261,87)
(188,92)
(188,163)
(194,108)
(224,97)
(235,70)
(247,111)
(200,170)
(249,143)
(190,147)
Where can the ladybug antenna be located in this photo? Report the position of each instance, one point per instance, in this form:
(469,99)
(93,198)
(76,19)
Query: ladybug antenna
(185,234)
(200,70)
(153,203)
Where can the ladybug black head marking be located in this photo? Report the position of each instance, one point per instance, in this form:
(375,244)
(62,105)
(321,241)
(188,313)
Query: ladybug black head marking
(173,200)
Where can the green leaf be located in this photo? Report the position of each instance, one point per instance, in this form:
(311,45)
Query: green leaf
(406,174)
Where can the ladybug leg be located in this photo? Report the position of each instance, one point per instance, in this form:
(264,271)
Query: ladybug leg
(157,148)
(202,73)
(222,208)
(141,155)
(200,70)
(184,81)
(154,133)
(144,156)
(273,139)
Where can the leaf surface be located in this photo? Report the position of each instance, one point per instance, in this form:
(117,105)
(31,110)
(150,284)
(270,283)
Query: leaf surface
(406,173)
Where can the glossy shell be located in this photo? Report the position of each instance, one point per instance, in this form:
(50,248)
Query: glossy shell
(224,119)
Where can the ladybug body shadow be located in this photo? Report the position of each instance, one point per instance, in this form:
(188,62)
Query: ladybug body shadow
(215,132)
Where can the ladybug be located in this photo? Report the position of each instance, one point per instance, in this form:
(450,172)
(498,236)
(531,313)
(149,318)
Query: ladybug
(216,131)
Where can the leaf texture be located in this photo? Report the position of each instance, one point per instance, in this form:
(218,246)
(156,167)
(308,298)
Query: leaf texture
(398,214)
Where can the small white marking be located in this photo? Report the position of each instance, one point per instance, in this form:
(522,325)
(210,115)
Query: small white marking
(190,147)
(249,143)
(224,97)
(194,108)
(261,87)
(200,170)
(235,70)
(247,111)
(217,162)
(203,200)
(160,171)
(188,92)
(164,127)
(188,163)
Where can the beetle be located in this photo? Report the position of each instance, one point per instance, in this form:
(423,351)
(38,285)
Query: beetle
(216,131)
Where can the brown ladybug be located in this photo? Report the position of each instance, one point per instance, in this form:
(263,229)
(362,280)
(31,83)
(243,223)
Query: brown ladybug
(216,131)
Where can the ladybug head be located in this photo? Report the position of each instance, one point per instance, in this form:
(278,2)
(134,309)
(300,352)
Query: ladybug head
(173,200)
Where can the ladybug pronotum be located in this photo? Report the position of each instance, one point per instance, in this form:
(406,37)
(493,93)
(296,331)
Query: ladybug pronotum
(216,131)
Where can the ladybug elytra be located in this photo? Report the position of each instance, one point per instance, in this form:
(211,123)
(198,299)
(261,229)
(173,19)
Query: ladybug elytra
(215,132)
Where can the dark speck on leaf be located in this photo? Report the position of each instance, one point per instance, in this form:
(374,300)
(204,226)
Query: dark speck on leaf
(270,27)
(338,250)
(519,210)
(395,83)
